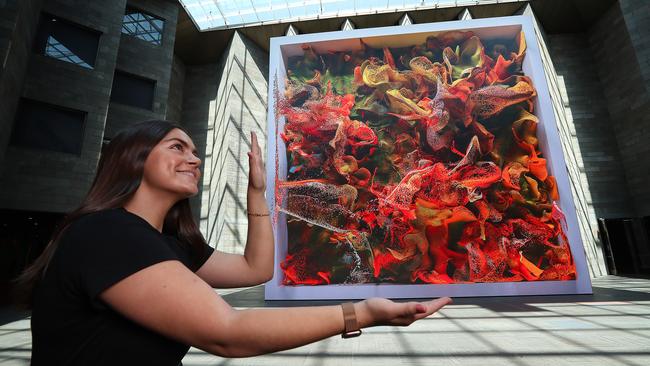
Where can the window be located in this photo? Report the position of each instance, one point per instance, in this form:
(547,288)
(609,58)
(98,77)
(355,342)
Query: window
(48,127)
(142,25)
(133,90)
(66,41)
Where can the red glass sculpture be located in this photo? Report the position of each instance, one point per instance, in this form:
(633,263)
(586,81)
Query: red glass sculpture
(417,165)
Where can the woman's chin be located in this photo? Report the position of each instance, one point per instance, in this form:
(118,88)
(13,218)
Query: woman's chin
(187,192)
(193,192)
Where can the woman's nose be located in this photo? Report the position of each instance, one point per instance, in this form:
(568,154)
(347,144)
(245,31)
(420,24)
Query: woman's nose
(195,160)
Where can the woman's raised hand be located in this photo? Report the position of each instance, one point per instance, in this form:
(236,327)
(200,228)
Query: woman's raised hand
(382,311)
(257,172)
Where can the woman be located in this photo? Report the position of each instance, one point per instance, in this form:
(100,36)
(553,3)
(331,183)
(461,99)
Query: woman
(128,277)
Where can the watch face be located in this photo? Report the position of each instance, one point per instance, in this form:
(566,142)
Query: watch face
(351,334)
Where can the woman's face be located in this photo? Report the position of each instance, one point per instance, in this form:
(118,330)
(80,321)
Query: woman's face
(173,165)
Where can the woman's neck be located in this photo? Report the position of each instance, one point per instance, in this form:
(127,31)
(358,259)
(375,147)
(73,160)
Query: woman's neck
(151,208)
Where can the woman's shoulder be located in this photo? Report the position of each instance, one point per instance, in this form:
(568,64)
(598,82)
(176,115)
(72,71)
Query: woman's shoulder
(112,233)
(106,222)
(103,217)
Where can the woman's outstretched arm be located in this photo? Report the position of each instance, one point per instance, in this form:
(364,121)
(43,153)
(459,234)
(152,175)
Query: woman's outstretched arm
(223,270)
(171,300)
(286,328)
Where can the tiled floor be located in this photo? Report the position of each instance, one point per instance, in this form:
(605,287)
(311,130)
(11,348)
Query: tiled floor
(610,327)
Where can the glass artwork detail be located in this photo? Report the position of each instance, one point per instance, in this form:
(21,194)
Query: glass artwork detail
(417,165)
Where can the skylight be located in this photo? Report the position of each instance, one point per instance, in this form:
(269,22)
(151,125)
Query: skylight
(144,26)
(222,14)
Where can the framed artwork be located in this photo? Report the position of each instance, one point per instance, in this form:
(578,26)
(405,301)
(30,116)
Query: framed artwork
(418,161)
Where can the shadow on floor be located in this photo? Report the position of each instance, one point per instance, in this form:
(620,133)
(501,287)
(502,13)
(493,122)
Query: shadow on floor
(610,288)
(605,289)
(10,314)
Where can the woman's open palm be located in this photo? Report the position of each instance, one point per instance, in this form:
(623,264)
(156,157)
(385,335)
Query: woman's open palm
(387,312)
(257,172)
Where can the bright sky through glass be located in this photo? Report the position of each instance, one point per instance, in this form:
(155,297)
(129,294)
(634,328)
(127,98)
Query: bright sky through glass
(219,14)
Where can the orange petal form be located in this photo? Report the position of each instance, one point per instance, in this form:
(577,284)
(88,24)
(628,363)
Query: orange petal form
(346,165)
(480,175)
(431,71)
(511,174)
(486,138)
(469,55)
(358,79)
(439,140)
(403,105)
(460,214)
(533,186)
(374,75)
(428,215)
(433,277)
(524,129)
(477,77)
(315,81)
(383,260)
(325,276)
(388,58)
(412,242)
(472,153)
(360,177)
(537,167)
(500,70)
(552,188)
(488,101)
(519,56)
(533,269)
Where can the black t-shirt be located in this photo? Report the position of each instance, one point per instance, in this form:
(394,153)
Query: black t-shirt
(71,325)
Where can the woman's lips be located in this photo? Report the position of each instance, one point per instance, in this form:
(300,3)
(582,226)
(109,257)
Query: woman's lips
(193,175)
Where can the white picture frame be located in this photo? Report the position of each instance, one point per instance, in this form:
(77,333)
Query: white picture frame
(283,47)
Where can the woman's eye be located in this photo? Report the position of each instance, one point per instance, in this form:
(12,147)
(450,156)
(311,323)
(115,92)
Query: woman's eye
(179,146)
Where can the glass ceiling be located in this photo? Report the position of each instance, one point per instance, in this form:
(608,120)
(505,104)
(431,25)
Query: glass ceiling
(221,14)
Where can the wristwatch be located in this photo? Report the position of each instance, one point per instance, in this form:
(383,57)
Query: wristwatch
(350,317)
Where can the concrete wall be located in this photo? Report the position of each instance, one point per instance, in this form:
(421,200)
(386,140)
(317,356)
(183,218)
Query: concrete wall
(591,127)
(18,23)
(636,14)
(176,83)
(141,58)
(42,180)
(222,103)
(620,45)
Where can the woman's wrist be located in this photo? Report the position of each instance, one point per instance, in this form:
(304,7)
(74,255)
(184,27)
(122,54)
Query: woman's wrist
(364,317)
(256,192)
(257,205)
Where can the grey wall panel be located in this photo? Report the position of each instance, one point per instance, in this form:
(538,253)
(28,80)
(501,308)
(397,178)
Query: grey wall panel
(42,180)
(151,61)
(18,24)
(222,103)
(619,43)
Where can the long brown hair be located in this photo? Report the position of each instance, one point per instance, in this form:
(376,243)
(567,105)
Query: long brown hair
(118,176)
